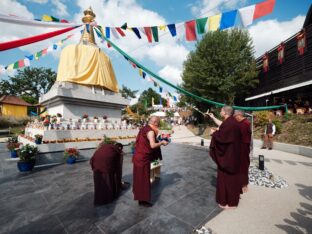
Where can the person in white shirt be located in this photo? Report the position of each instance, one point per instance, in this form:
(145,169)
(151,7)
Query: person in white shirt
(269,132)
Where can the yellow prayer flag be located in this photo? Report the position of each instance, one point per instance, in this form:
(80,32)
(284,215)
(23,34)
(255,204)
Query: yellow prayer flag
(130,29)
(162,27)
(10,67)
(214,22)
(46,18)
(140,72)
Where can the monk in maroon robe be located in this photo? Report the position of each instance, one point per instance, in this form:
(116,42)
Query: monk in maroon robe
(245,129)
(147,149)
(106,164)
(225,151)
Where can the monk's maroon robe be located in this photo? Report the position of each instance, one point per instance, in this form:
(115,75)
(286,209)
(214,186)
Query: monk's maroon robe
(245,151)
(107,168)
(142,158)
(225,151)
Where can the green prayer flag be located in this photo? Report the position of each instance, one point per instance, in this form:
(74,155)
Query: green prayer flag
(200,24)
(55,19)
(155,33)
(124,26)
(15,66)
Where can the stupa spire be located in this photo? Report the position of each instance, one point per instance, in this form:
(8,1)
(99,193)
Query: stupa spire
(87,36)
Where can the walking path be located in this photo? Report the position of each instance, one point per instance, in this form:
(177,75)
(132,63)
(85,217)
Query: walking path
(266,210)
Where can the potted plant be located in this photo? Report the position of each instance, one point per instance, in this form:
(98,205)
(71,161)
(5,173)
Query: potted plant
(70,155)
(13,146)
(38,139)
(27,155)
(46,123)
(105,118)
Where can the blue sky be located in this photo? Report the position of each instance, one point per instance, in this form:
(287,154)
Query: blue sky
(167,56)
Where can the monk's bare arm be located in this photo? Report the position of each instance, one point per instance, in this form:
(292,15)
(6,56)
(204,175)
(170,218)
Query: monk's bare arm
(151,138)
(217,121)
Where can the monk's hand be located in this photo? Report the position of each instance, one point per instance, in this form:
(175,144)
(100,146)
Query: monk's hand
(212,130)
(211,115)
(164,143)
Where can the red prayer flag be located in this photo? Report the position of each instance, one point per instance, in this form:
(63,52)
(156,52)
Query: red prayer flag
(21,63)
(190,30)
(263,8)
(45,51)
(148,32)
(108,45)
(301,42)
(120,32)
(266,62)
(281,53)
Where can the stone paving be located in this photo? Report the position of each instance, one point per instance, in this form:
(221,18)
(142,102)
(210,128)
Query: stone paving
(59,199)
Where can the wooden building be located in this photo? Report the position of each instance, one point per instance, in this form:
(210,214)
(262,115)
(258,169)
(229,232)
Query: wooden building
(285,72)
(13,106)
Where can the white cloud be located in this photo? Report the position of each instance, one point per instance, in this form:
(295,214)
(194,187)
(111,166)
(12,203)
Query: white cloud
(61,8)
(269,33)
(39,1)
(172,74)
(209,7)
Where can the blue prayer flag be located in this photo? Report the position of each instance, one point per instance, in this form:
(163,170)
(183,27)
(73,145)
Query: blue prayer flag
(228,19)
(144,75)
(30,57)
(160,100)
(160,89)
(136,32)
(175,98)
(54,47)
(107,32)
(172,29)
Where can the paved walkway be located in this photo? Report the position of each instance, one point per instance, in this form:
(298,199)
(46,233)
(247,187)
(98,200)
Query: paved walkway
(59,199)
(264,210)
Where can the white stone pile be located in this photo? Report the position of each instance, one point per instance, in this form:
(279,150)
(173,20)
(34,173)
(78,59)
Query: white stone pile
(265,178)
(204,230)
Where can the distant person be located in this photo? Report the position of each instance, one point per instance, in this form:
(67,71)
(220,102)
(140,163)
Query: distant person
(245,129)
(269,132)
(106,164)
(147,149)
(225,151)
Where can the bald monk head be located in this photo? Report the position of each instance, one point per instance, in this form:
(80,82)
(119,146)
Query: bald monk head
(154,120)
(239,115)
(226,112)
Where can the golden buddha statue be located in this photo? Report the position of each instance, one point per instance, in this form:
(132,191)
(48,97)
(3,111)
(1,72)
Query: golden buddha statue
(85,63)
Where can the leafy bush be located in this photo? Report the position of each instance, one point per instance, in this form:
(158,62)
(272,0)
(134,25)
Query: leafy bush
(278,125)
(261,118)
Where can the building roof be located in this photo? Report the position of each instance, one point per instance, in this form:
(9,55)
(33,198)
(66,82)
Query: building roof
(13,100)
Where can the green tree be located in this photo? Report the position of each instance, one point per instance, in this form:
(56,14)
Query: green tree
(128,93)
(148,95)
(221,68)
(29,82)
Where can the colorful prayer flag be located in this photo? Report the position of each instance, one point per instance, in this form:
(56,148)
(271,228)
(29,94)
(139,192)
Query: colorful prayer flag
(172,29)
(155,33)
(15,65)
(21,63)
(148,33)
(26,62)
(124,26)
(140,72)
(46,18)
(120,32)
(144,75)
(266,62)
(107,32)
(263,8)
(190,30)
(281,53)
(214,22)
(200,24)
(160,89)
(136,32)
(246,15)
(228,19)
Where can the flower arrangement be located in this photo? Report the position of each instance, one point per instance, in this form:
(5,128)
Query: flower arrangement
(13,145)
(38,137)
(28,153)
(13,139)
(104,117)
(95,117)
(85,116)
(71,153)
(46,122)
(54,120)
(59,115)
